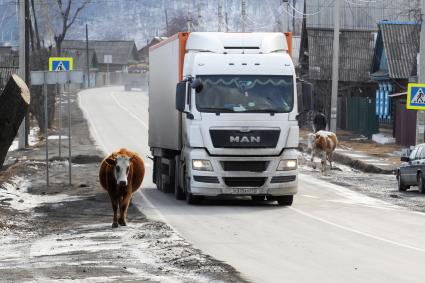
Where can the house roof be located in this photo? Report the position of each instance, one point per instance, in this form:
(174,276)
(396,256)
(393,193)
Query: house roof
(144,51)
(400,42)
(356,52)
(80,58)
(123,52)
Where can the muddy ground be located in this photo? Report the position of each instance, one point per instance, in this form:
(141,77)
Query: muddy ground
(380,186)
(63,232)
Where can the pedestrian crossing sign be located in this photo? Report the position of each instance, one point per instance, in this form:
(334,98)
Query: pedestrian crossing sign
(416,97)
(60,64)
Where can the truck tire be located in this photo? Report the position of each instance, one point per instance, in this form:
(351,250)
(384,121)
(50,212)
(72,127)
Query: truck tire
(284,200)
(158,173)
(190,198)
(178,191)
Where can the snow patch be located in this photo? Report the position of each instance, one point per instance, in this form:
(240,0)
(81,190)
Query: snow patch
(56,137)
(382,139)
(15,193)
(32,139)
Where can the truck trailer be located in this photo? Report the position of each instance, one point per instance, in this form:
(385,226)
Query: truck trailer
(223,116)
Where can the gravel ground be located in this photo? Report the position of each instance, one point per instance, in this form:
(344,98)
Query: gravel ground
(380,186)
(63,232)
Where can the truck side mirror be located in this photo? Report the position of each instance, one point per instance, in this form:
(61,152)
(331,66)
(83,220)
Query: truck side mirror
(181,96)
(197,85)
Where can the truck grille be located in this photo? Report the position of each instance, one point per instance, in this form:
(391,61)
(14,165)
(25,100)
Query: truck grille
(249,166)
(238,139)
(244,181)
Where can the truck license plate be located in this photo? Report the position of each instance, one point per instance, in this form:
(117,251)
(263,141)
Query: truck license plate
(243,191)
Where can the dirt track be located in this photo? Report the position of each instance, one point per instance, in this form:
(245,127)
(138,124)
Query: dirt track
(63,233)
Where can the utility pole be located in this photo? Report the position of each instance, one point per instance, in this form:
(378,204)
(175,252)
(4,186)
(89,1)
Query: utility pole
(189,21)
(199,19)
(335,67)
(166,22)
(220,16)
(87,55)
(285,19)
(294,4)
(23,64)
(420,117)
(243,15)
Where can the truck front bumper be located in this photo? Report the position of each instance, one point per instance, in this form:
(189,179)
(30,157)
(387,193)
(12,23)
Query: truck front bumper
(228,180)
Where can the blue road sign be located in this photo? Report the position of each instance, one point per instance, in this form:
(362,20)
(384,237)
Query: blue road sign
(60,64)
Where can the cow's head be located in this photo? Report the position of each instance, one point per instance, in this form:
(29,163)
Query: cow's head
(320,141)
(121,166)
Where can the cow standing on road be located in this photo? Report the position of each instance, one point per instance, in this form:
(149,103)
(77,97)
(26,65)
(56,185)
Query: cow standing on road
(322,144)
(121,174)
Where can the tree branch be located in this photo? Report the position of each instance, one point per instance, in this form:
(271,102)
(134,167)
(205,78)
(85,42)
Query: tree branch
(79,9)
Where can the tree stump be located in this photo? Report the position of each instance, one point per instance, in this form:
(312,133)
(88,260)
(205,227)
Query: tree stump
(14,103)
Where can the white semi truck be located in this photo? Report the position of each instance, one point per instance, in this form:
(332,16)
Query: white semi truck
(223,116)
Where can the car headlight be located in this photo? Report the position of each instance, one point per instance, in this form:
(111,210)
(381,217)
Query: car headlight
(201,165)
(288,164)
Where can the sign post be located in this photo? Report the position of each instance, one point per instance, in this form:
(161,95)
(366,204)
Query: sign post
(60,64)
(46,129)
(107,59)
(45,78)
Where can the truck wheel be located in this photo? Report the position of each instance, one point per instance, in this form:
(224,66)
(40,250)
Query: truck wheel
(284,200)
(190,198)
(158,176)
(178,192)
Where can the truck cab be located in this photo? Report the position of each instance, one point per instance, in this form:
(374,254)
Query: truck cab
(237,129)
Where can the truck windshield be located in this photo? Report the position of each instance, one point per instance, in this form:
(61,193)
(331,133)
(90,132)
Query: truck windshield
(253,93)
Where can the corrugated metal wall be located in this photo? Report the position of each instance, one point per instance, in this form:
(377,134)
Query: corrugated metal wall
(356,52)
(357,14)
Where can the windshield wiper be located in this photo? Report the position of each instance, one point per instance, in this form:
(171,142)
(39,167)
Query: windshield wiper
(271,111)
(216,110)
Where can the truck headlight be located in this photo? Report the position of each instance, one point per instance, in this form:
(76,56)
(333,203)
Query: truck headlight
(288,164)
(201,165)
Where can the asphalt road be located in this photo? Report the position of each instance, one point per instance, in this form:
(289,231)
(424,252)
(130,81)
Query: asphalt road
(330,234)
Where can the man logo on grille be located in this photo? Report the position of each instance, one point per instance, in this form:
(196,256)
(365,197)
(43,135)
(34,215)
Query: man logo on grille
(245,139)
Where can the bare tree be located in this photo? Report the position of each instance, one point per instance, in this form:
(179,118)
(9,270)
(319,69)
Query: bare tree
(68,12)
(34,25)
(178,23)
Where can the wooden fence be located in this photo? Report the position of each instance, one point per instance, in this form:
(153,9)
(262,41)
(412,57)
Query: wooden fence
(9,64)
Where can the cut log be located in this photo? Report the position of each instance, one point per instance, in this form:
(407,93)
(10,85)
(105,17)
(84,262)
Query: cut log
(14,103)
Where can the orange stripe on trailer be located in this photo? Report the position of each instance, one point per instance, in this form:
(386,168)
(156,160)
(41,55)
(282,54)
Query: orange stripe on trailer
(182,37)
(288,36)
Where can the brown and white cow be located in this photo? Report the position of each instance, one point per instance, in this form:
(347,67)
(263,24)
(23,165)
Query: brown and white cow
(121,174)
(323,144)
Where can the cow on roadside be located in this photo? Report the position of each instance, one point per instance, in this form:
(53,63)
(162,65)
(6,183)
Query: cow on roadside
(322,145)
(121,174)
